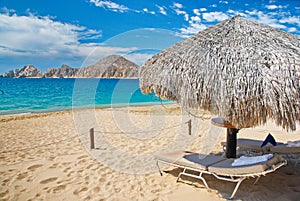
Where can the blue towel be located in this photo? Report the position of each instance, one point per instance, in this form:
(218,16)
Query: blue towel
(270,139)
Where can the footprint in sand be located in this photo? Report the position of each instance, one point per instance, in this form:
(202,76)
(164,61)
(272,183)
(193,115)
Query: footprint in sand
(66,164)
(54,165)
(57,189)
(96,189)
(67,169)
(102,180)
(34,167)
(70,173)
(83,156)
(5,181)
(37,195)
(46,181)
(82,161)
(79,191)
(93,166)
(22,175)
(3,194)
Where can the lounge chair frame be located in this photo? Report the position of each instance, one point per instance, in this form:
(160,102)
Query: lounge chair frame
(239,178)
(183,172)
(235,178)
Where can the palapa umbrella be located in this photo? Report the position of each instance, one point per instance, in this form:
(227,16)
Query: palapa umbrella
(243,71)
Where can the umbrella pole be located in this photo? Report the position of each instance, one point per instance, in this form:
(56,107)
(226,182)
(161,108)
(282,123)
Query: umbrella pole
(231,142)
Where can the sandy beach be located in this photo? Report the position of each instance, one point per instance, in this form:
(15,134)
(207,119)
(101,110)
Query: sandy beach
(48,156)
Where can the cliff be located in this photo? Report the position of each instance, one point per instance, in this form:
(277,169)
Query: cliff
(110,66)
(63,72)
(113,66)
(26,71)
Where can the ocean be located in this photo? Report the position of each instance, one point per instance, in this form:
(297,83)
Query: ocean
(35,95)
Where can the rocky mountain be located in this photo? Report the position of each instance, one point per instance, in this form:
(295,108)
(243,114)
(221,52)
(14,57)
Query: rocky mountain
(110,66)
(26,71)
(64,71)
(113,66)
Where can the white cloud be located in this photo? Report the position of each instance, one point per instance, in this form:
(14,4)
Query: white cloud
(224,2)
(269,18)
(194,28)
(147,11)
(110,5)
(233,12)
(291,20)
(272,7)
(203,9)
(177,5)
(161,10)
(196,12)
(178,10)
(7,11)
(195,19)
(34,36)
(292,29)
(186,17)
(214,16)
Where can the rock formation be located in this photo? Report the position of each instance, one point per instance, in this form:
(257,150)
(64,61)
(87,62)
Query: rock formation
(27,71)
(113,66)
(63,72)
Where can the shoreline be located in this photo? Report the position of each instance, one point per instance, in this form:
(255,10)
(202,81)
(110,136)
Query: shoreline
(18,116)
(145,104)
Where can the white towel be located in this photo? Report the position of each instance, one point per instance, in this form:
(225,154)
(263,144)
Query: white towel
(245,160)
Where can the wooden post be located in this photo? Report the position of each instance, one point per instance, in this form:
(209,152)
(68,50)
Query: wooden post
(231,142)
(92,141)
(190,126)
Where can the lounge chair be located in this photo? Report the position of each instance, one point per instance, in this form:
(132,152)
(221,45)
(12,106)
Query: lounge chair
(218,166)
(189,161)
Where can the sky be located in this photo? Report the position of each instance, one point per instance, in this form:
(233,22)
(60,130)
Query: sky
(50,33)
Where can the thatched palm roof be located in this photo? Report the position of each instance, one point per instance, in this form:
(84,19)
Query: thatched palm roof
(240,70)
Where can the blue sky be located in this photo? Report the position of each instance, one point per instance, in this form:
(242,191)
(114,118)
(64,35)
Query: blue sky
(49,33)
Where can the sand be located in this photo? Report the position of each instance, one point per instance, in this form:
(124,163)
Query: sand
(48,156)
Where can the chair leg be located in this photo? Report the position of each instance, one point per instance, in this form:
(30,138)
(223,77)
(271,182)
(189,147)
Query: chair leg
(237,187)
(179,175)
(257,179)
(204,181)
(194,176)
(158,168)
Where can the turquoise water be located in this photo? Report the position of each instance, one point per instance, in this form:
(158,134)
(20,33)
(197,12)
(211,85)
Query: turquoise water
(44,95)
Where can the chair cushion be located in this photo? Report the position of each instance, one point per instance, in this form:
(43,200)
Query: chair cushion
(225,167)
(190,160)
